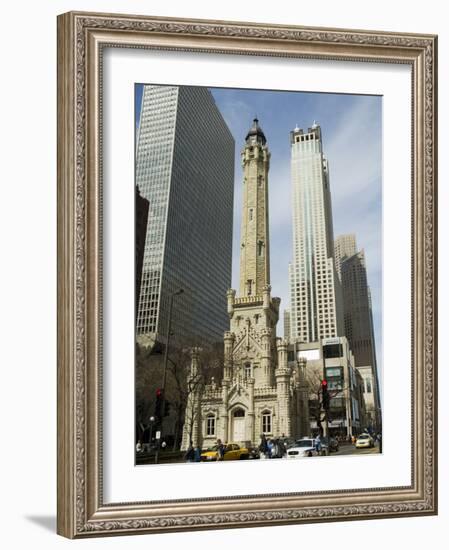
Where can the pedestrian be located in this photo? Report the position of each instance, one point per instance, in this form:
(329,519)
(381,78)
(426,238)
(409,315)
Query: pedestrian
(263,446)
(270,446)
(197,454)
(220,450)
(318,444)
(282,448)
(190,454)
(139,447)
(379,439)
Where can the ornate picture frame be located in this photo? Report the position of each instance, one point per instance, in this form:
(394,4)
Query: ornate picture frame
(82,38)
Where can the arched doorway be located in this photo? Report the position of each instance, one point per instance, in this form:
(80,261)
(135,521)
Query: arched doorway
(238,424)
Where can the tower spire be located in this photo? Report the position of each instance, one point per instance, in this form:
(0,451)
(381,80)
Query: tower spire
(254,237)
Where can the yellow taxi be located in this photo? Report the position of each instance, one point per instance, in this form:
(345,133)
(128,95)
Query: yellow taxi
(232,451)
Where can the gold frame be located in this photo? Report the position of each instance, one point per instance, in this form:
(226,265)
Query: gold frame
(81,37)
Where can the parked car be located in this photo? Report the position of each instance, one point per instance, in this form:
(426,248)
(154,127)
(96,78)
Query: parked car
(363,441)
(232,451)
(289,442)
(253,452)
(302,448)
(333,444)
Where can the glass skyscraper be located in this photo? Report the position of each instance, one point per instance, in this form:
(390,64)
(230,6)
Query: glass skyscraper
(315,293)
(185,169)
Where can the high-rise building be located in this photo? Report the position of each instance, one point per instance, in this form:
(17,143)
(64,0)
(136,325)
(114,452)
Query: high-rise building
(141,213)
(315,293)
(287,324)
(358,319)
(185,169)
(345,246)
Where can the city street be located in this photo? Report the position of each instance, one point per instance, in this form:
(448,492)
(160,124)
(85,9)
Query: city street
(351,450)
(178,457)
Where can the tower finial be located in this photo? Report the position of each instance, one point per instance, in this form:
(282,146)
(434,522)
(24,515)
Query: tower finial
(256,132)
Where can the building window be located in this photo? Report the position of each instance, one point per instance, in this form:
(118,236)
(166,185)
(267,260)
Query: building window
(249,286)
(266,422)
(210,424)
(248,370)
(250,214)
(260,248)
(368,386)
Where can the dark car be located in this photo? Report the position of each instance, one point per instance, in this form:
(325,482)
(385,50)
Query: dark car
(254,452)
(333,444)
(289,442)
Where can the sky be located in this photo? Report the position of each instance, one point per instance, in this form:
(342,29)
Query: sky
(351,127)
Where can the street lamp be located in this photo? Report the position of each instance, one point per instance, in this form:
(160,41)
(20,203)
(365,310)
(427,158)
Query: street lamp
(164,379)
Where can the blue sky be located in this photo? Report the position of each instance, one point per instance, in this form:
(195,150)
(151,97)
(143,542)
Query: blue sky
(352,142)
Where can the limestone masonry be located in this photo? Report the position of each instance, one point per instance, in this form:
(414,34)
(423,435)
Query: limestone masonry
(259,392)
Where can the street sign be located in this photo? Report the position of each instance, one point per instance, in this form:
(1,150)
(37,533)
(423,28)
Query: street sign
(158,434)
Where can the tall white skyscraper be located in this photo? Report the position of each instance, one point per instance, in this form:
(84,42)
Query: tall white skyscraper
(287,324)
(316,302)
(185,169)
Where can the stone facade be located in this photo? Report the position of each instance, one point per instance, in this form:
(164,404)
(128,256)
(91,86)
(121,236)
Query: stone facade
(254,236)
(259,392)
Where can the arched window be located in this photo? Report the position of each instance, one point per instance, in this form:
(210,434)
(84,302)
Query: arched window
(210,424)
(266,422)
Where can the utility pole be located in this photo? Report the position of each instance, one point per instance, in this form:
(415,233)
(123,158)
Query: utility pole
(325,398)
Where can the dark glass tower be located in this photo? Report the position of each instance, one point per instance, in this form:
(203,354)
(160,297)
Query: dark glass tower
(185,168)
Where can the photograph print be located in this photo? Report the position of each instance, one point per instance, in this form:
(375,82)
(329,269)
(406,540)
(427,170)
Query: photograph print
(258,274)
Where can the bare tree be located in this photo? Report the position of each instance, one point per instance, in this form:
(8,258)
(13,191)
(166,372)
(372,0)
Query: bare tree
(189,387)
(178,385)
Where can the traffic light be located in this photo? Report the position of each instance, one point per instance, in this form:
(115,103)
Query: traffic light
(167,408)
(158,404)
(325,395)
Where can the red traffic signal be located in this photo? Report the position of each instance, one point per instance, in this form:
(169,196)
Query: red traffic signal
(158,404)
(325,394)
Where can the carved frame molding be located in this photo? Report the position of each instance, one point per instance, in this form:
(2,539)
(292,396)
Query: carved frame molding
(81,39)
